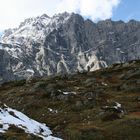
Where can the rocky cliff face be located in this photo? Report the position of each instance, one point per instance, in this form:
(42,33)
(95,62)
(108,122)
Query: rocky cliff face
(66,43)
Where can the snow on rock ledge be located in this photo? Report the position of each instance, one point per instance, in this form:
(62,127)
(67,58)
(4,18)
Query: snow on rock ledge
(10,116)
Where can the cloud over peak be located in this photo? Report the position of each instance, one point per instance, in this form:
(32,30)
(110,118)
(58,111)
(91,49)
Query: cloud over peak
(12,12)
(94,9)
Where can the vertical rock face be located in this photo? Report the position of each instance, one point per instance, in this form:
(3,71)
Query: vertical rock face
(67,43)
(5,67)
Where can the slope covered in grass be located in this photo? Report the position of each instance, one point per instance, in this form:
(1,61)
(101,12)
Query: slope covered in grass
(81,106)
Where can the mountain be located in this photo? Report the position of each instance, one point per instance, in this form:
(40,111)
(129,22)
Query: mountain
(99,105)
(66,43)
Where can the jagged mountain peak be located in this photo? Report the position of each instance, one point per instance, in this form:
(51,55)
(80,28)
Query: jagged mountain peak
(63,14)
(35,28)
(44,16)
(32,21)
(133,21)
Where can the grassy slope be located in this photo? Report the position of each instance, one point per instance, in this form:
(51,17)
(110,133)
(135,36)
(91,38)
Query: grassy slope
(79,116)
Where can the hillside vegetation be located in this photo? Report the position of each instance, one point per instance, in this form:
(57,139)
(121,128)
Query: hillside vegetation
(100,105)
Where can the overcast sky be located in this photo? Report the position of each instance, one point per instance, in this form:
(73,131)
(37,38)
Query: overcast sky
(12,12)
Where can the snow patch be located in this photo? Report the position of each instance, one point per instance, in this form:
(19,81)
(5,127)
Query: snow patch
(67,93)
(30,70)
(118,105)
(52,110)
(104,84)
(9,116)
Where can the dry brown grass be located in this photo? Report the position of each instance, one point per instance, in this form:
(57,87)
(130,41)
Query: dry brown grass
(79,117)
